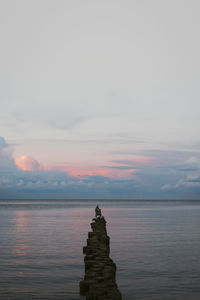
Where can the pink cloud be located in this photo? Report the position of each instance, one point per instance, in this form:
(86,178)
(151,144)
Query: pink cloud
(79,172)
(27,163)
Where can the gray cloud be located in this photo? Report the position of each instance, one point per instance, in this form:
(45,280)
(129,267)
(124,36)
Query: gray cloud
(150,181)
(123,167)
(6,159)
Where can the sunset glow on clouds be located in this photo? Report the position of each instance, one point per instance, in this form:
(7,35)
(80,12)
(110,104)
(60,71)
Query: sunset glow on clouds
(122,168)
(27,163)
(106,172)
(135,176)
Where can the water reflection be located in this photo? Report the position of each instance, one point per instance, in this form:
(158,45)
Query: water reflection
(21,230)
(21,221)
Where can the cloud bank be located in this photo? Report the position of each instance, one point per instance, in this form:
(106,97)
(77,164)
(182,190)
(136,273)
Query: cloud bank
(155,175)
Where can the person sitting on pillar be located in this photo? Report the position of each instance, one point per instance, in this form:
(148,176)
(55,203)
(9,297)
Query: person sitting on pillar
(98,212)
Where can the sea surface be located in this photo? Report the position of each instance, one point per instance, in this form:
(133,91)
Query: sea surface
(155,244)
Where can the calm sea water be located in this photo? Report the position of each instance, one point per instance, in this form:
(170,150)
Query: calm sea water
(155,244)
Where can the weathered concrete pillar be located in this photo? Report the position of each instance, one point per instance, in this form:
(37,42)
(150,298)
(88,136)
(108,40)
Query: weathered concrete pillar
(100,271)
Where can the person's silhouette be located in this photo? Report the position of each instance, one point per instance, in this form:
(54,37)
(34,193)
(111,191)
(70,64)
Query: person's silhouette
(97,212)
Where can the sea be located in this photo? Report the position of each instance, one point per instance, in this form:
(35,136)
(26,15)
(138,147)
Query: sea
(155,245)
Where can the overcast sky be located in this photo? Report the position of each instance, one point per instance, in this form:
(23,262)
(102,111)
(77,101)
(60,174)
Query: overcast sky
(100,91)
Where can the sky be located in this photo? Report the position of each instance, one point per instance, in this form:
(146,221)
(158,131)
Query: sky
(100,99)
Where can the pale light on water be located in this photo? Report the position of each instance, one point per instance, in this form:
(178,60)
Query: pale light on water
(155,245)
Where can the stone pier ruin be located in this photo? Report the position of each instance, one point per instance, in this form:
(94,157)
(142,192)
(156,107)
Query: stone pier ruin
(100,271)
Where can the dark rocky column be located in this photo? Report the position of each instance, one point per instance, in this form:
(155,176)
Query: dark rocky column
(99,281)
